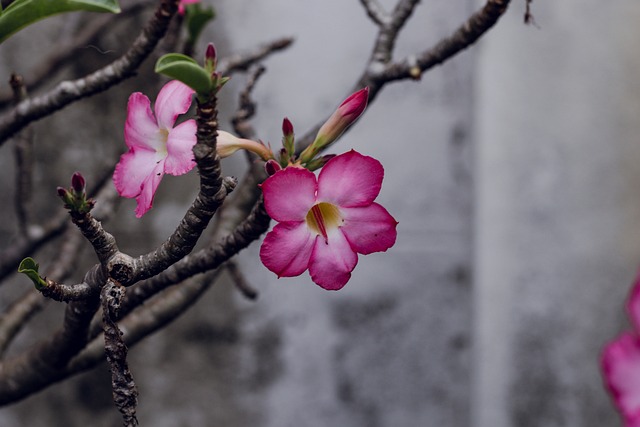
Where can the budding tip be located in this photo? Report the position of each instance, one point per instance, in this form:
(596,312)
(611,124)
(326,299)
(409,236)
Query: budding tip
(287,126)
(78,182)
(271,167)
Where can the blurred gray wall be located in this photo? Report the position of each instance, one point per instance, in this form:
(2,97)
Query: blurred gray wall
(512,171)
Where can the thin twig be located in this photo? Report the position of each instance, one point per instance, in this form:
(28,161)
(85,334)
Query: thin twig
(246,106)
(376,12)
(242,62)
(240,281)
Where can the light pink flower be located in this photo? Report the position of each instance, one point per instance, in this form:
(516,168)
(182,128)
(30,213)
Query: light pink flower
(183,3)
(324,223)
(620,364)
(155,146)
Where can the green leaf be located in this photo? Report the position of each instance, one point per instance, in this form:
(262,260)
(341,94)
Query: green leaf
(21,13)
(197,19)
(185,69)
(30,268)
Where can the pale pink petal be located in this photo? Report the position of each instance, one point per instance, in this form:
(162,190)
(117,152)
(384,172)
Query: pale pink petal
(148,190)
(369,229)
(141,129)
(174,99)
(180,144)
(621,370)
(332,261)
(287,248)
(133,169)
(289,194)
(350,180)
(633,305)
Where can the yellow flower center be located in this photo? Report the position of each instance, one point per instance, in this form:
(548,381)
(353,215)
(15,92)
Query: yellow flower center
(164,136)
(322,217)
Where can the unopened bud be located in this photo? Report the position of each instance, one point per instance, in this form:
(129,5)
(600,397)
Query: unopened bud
(78,183)
(271,166)
(319,162)
(210,58)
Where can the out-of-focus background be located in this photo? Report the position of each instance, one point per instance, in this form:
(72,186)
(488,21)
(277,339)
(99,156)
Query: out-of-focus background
(512,170)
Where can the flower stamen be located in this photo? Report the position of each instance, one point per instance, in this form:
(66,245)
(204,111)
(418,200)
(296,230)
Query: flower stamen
(323,217)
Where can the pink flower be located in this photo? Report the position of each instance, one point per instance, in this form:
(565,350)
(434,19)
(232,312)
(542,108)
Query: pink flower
(620,364)
(155,146)
(183,3)
(325,223)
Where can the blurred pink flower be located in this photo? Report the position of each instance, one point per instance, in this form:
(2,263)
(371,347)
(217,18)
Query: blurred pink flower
(155,146)
(324,223)
(185,2)
(620,363)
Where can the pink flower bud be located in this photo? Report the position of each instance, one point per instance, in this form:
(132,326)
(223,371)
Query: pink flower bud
(62,192)
(347,113)
(210,58)
(78,183)
(287,127)
(271,166)
(227,144)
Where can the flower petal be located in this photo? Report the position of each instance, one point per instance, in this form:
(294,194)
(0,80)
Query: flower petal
(621,370)
(332,261)
(633,305)
(289,194)
(180,144)
(350,180)
(148,190)
(141,129)
(174,99)
(369,229)
(286,249)
(133,169)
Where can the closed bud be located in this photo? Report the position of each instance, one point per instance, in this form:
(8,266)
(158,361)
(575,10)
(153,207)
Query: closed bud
(271,166)
(210,58)
(78,183)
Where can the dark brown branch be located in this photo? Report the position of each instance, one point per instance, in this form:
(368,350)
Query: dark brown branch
(247,107)
(67,92)
(240,281)
(125,393)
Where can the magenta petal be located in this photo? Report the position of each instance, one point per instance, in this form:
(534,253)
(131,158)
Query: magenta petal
(141,129)
(289,194)
(350,180)
(174,99)
(621,370)
(287,248)
(369,229)
(148,190)
(180,144)
(332,262)
(133,169)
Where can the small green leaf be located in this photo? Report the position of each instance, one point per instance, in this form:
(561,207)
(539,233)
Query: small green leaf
(197,19)
(21,13)
(186,70)
(30,268)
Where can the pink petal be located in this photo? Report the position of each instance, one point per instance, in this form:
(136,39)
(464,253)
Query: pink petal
(141,129)
(621,370)
(633,305)
(133,169)
(350,180)
(174,99)
(289,194)
(369,229)
(332,262)
(286,249)
(148,190)
(180,144)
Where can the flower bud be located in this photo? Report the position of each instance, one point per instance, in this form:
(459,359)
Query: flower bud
(78,183)
(288,138)
(62,193)
(227,144)
(347,113)
(271,166)
(319,162)
(210,58)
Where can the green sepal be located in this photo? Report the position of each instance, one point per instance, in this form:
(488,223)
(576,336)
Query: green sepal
(197,18)
(22,13)
(187,70)
(30,268)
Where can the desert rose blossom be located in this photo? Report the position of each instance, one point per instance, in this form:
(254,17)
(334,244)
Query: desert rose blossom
(324,223)
(155,146)
(620,364)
